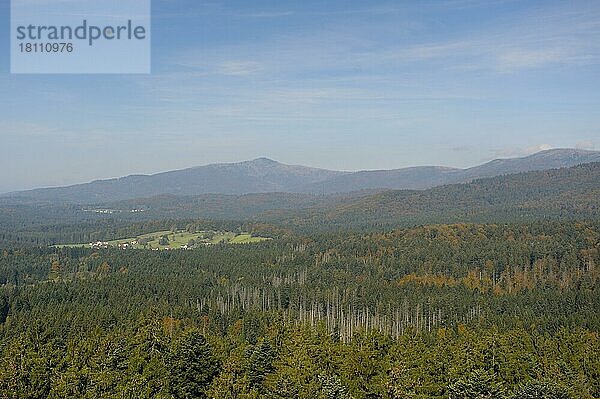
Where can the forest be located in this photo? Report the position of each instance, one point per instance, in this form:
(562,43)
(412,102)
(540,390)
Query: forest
(566,194)
(295,199)
(465,310)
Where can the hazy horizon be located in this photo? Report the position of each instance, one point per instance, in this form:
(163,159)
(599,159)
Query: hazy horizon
(345,85)
(290,164)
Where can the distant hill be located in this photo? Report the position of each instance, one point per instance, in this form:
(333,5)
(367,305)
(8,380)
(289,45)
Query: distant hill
(263,175)
(566,193)
(556,194)
(258,176)
(418,178)
(544,160)
(415,178)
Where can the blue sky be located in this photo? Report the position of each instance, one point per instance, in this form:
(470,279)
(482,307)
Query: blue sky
(334,84)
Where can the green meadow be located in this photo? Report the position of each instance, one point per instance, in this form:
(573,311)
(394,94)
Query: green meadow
(168,239)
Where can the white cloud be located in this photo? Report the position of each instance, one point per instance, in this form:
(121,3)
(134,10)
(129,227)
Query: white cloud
(238,68)
(517,59)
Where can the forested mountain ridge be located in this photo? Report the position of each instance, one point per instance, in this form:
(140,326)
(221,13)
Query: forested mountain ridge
(424,177)
(256,176)
(568,193)
(559,194)
(543,160)
(263,175)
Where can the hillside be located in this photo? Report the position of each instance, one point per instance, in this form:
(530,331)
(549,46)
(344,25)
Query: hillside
(414,178)
(256,176)
(557,194)
(423,177)
(567,193)
(263,175)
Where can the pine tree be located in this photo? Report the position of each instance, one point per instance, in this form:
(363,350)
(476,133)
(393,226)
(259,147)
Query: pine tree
(479,385)
(332,388)
(260,363)
(192,366)
(535,389)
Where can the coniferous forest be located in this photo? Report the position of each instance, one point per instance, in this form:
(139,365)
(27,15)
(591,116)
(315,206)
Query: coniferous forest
(436,311)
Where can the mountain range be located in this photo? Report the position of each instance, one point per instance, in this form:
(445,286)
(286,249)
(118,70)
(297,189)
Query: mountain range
(554,194)
(264,175)
(547,195)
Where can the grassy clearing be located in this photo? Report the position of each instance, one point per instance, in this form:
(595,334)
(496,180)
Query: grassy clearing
(177,240)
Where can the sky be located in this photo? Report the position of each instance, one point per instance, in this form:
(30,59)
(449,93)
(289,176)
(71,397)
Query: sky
(344,85)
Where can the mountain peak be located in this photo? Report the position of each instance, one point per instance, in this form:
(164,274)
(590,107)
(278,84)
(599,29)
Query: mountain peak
(263,175)
(262,161)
